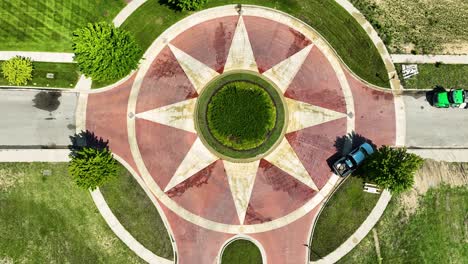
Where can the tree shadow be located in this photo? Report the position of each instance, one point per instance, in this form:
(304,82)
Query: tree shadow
(430,94)
(86,139)
(345,144)
(47,100)
(172,6)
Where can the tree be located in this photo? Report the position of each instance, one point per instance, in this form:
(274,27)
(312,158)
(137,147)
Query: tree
(188,4)
(104,52)
(392,168)
(91,167)
(17,70)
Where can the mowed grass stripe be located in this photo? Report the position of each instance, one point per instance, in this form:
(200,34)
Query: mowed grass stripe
(34,25)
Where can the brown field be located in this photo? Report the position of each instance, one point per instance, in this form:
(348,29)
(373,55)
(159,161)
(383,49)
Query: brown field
(423,27)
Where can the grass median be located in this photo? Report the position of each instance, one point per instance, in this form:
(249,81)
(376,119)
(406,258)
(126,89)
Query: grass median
(241,251)
(66,75)
(137,214)
(343,214)
(432,75)
(336,25)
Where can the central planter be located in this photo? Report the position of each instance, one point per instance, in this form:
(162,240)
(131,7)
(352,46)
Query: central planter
(240,116)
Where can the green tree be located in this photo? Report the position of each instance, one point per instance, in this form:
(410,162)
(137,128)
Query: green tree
(17,70)
(91,167)
(392,168)
(188,4)
(104,52)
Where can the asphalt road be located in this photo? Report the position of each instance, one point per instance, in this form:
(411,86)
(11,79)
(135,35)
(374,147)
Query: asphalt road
(427,126)
(36,118)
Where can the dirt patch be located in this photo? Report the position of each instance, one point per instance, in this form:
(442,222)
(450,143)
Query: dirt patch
(433,174)
(455,48)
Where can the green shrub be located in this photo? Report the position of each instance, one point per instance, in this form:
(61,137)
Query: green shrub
(104,52)
(91,167)
(241,115)
(392,168)
(17,70)
(188,4)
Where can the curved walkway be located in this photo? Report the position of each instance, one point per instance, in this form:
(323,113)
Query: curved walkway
(122,233)
(127,11)
(360,233)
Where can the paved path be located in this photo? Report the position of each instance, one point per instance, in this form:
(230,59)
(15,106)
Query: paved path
(430,127)
(360,233)
(127,11)
(34,155)
(39,56)
(36,118)
(447,59)
(448,155)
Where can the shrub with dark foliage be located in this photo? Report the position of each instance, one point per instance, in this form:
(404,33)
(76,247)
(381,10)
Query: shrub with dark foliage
(188,4)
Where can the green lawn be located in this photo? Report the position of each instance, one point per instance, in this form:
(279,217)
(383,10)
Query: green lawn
(326,16)
(47,219)
(137,214)
(430,75)
(435,233)
(343,214)
(241,115)
(66,75)
(241,251)
(47,25)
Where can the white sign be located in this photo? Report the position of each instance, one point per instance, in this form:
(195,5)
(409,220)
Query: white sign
(409,71)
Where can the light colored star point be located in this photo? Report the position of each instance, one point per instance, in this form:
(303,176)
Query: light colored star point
(241,177)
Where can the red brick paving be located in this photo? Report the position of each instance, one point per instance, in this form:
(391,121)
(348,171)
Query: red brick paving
(314,145)
(162,148)
(275,187)
(375,113)
(165,83)
(316,83)
(209,42)
(272,42)
(106,116)
(195,245)
(207,194)
(288,244)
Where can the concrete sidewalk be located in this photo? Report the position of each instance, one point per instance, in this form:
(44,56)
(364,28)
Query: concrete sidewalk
(34,155)
(446,59)
(39,56)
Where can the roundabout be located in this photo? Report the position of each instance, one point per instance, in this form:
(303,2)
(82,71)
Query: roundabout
(182,122)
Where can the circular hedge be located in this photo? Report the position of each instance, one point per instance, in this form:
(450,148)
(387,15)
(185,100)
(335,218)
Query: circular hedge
(240,116)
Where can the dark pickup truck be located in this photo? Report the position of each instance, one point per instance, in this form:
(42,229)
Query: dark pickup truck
(349,163)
